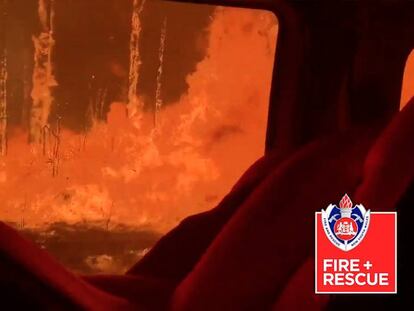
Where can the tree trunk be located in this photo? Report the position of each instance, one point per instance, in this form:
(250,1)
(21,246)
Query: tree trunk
(3,78)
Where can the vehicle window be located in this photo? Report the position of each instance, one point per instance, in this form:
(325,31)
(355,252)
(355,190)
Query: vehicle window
(120,118)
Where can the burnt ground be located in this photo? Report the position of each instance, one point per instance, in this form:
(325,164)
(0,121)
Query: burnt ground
(88,249)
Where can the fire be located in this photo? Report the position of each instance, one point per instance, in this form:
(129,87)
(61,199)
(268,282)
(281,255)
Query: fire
(135,61)
(116,173)
(3,102)
(43,78)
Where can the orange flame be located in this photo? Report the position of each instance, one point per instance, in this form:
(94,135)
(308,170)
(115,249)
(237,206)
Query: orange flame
(345,202)
(118,174)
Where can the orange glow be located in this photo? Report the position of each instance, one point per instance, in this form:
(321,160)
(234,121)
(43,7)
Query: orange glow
(408,82)
(119,174)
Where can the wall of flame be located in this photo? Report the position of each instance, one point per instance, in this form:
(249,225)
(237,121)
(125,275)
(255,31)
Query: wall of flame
(116,174)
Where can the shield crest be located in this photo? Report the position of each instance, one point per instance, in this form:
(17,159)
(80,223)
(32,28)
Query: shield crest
(345,226)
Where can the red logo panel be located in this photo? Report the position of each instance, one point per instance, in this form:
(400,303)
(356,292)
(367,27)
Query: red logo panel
(370,267)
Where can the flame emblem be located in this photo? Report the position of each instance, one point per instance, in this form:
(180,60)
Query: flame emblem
(345,202)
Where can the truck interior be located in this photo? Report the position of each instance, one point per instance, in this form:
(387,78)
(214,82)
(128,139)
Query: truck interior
(340,119)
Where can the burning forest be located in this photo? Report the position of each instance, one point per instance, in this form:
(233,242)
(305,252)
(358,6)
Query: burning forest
(118,119)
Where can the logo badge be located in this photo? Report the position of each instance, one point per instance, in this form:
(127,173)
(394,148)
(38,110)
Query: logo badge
(346,225)
(355,250)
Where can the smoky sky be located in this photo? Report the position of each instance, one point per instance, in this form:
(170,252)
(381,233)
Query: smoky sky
(91,55)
